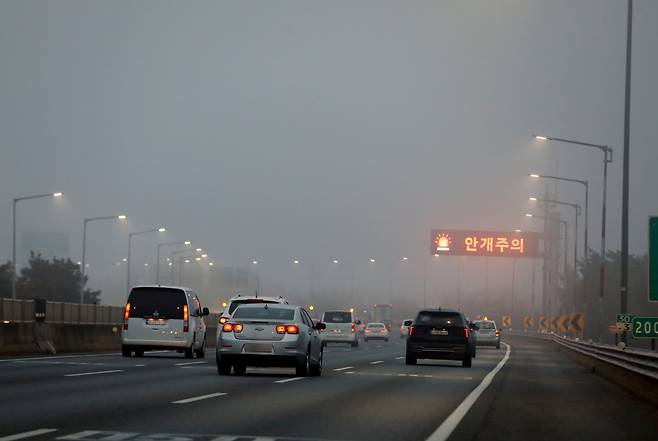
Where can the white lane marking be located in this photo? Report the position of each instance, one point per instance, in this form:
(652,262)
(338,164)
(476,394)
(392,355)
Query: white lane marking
(29,434)
(199,398)
(344,368)
(450,424)
(413,375)
(402,375)
(377,362)
(399,358)
(6,360)
(139,365)
(350,373)
(82,374)
(190,362)
(288,380)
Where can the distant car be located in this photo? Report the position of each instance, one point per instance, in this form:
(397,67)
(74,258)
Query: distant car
(341,327)
(376,331)
(265,335)
(238,300)
(442,334)
(488,333)
(163,317)
(404,327)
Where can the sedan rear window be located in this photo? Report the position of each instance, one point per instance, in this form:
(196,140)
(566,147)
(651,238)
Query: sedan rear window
(236,303)
(337,317)
(163,303)
(486,325)
(439,318)
(375,325)
(264,313)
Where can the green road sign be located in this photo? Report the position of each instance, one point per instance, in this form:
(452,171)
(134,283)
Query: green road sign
(645,327)
(653,259)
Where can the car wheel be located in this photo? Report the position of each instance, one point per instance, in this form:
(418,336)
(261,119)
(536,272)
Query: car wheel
(301,370)
(223,367)
(316,368)
(139,352)
(189,352)
(410,359)
(240,369)
(466,362)
(201,353)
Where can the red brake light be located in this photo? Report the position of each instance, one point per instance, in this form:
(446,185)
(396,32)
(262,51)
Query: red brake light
(280,329)
(411,330)
(368,331)
(126,316)
(186,319)
(292,329)
(466,332)
(238,328)
(497,333)
(353,327)
(228,327)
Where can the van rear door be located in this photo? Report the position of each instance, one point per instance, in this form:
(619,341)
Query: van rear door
(156,313)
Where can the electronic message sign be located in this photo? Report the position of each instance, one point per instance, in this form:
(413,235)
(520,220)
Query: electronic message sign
(484,243)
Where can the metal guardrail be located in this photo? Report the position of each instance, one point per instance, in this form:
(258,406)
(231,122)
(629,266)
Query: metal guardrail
(641,362)
(22,311)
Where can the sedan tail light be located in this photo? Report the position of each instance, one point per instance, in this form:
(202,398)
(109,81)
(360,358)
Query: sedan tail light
(232,327)
(126,316)
(223,320)
(287,329)
(368,331)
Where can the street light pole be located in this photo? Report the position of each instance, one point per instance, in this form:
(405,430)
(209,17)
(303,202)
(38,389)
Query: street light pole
(130,240)
(83,263)
(157,259)
(13,252)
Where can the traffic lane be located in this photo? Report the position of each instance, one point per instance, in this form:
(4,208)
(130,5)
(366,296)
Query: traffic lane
(338,405)
(542,394)
(53,397)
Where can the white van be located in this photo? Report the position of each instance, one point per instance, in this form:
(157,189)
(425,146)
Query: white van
(163,317)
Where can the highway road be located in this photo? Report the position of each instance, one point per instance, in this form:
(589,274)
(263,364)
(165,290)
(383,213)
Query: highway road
(366,393)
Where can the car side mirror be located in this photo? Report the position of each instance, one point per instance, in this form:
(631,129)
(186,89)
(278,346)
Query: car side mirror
(205,311)
(320,326)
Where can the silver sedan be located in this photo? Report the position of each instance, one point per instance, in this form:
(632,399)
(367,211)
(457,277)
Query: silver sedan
(265,335)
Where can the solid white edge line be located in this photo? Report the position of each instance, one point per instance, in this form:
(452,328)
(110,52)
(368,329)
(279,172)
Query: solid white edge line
(199,398)
(29,434)
(190,362)
(287,380)
(450,424)
(82,374)
(377,362)
(343,368)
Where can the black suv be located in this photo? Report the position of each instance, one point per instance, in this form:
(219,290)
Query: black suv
(442,334)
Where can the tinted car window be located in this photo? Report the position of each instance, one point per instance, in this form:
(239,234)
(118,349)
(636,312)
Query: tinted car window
(270,313)
(439,318)
(236,303)
(486,325)
(164,303)
(407,322)
(337,317)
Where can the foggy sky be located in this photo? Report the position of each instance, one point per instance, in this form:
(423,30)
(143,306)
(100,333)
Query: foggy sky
(317,129)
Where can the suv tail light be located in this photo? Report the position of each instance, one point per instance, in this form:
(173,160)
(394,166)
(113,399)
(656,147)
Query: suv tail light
(186,319)
(126,316)
(497,332)
(412,329)
(465,332)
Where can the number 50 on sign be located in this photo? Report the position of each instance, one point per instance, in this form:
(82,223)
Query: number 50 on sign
(645,327)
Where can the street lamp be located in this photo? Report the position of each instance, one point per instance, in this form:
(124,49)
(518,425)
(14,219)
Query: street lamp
(83,265)
(13,253)
(157,258)
(607,158)
(172,264)
(130,241)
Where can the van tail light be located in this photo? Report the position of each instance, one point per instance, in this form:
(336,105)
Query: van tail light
(126,316)
(287,329)
(186,319)
(412,329)
(465,332)
(353,327)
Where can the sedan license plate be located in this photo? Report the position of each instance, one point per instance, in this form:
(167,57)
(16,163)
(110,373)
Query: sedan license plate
(258,347)
(439,332)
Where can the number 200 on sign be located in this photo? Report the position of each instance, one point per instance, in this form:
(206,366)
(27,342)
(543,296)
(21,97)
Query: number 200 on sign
(646,327)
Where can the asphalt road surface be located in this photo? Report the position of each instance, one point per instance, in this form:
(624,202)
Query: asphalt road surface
(366,393)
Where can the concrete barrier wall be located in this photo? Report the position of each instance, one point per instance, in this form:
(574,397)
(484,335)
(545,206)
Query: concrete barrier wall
(21,338)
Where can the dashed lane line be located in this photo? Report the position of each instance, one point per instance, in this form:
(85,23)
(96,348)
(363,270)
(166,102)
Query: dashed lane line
(288,380)
(29,434)
(377,362)
(344,368)
(399,358)
(199,398)
(82,374)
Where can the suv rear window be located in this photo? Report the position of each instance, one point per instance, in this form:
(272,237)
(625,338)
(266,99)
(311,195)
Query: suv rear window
(337,317)
(236,303)
(269,313)
(164,303)
(439,318)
